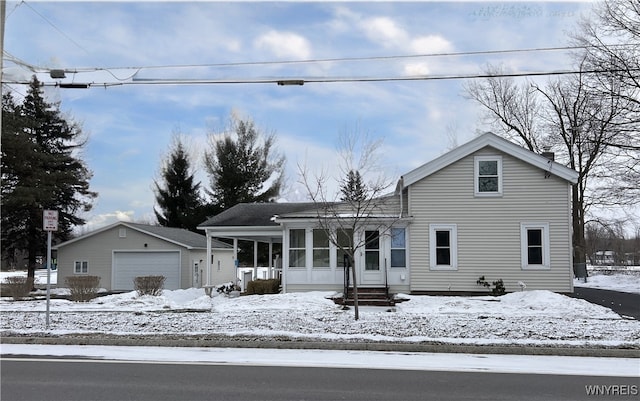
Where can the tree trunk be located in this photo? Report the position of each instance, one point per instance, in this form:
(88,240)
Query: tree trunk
(355,291)
(579,245)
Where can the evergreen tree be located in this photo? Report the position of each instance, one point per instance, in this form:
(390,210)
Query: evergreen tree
(178,197)
(40,171)
(243,170)
(353,190)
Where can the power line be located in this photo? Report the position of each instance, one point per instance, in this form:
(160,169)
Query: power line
(55,27)
(327,60)
(302,81)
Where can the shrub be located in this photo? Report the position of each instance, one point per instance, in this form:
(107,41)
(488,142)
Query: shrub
(498,286)
(83,288)
(261,287)
(227,288)
(149,285)
(17,287)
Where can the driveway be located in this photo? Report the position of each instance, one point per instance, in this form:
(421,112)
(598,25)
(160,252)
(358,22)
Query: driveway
(623,303)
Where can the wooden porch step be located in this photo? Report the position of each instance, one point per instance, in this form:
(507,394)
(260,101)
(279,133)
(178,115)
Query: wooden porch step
(368,296)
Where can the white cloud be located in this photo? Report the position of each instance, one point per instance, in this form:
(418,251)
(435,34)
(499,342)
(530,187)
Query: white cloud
(284,44)
(416,69)
(385,31)
(430,44)
(100,220)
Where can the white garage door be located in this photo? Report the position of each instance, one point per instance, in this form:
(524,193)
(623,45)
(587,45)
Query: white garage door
(128,265)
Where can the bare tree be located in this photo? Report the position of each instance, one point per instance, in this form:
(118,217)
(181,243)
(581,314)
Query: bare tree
(611,39)
(571,118)
(611,42)
(358,208)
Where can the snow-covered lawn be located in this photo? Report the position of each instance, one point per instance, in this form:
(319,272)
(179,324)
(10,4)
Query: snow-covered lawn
(529,317)
(524,318)
(625,281)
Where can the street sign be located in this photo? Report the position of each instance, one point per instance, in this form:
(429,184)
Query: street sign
(50,220)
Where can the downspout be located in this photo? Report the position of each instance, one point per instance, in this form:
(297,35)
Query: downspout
(401,187)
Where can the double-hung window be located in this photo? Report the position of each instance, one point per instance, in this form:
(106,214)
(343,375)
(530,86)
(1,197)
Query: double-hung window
(320,248)
(345,243)
(297,247)
(443,246)
(81,267)
(398,247)
(534,238)
(488,175)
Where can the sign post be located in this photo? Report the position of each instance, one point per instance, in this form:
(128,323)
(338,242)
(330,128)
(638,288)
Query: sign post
(49,224)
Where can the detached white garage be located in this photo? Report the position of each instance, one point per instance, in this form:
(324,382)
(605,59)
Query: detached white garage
(127,265)
(123,251)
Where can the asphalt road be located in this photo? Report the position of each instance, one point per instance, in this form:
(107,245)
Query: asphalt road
(34,379)
(623,303)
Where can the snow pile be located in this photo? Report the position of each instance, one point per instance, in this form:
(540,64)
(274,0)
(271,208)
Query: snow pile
(529,317)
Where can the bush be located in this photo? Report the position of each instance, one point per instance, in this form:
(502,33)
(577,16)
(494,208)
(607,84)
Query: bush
(226,288)
(498,286)
(261,287)
(17,287)
(83,288)
(149,285)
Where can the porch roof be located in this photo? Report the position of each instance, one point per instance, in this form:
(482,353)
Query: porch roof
(254,214)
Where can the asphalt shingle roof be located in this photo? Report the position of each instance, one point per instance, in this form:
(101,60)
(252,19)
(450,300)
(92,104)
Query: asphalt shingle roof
(179,235)
(255,214)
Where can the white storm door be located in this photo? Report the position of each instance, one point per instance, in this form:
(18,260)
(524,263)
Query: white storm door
(371,266)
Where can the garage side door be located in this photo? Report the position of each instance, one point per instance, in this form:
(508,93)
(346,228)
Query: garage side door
(128,265)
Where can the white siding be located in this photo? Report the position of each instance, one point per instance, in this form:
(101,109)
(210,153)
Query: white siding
(488,228)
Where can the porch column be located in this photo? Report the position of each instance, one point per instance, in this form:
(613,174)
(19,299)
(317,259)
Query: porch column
(208,258)
(255,260)
(271,272)
(235,258)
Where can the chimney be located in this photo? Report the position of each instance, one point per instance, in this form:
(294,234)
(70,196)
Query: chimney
(546,152)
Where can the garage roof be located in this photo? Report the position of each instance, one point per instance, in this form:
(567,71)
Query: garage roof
(179,236)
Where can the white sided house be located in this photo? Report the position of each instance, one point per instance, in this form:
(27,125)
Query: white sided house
(487,208)
(122,251)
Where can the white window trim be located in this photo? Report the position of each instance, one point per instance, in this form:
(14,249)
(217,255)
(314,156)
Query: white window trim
(75,262)
(546,254)
(391,248)
(313,249)
(453,238)
(305,248)
(476,175)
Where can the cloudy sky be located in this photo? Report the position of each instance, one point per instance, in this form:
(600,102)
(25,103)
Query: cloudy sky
(129,51)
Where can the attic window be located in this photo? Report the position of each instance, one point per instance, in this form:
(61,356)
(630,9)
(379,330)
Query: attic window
(122,233)
(488,175)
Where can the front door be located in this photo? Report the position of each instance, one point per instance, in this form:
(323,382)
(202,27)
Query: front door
(371,264)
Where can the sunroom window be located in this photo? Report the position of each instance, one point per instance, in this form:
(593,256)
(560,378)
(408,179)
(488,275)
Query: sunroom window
(320,248)
(398,247)
(297,243)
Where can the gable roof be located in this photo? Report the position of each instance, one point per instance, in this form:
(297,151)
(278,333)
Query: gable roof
(254,214)
(178,236)
(494,141)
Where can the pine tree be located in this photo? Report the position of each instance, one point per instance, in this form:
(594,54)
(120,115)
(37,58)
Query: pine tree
(40,171)
(353,190)
(241,169)
(178,197)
